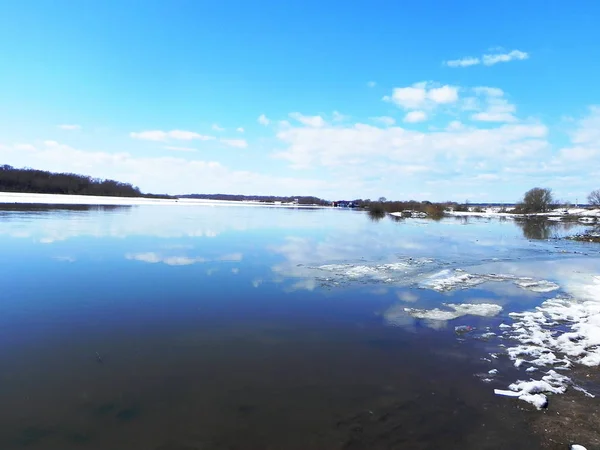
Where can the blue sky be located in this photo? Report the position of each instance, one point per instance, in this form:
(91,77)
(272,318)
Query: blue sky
(423,100)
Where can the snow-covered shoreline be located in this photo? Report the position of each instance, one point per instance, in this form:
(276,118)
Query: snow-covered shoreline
(560,213)
(60,199)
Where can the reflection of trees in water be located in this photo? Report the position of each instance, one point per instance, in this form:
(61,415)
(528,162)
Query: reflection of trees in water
(539,228)
(8,210)
(376,215)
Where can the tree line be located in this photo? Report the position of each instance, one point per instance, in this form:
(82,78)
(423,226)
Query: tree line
(44,182)
(301,200)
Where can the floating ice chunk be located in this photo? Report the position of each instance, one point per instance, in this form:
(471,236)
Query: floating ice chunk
(476,309)
(493,372)
(388,272)
(432,314)
(457,310)
(447,280)
(537,286)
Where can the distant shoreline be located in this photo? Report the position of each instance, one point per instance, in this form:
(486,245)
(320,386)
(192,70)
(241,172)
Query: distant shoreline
(65,199)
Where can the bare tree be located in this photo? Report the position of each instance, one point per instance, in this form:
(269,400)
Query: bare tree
(594,198)
(537,200)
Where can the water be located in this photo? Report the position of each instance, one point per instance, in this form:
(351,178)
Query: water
(180,328)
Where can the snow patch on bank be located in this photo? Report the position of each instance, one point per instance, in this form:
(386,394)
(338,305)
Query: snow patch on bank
(559,333)
(448,280)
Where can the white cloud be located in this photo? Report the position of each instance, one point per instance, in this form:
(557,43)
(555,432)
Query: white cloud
(423,95)
(26,147)
(263,120)
(371,84)
(311,121)
(385,120)
(70,127)
(496,107)
(166,174)
(362,144)
(240,130)
(180,149)
(585,140)
(159,135)
(515,55)
(444,94)
(216,127)
(415,117)
(410,97)
(237,143)
(463,62)
(455,125)
(488,59)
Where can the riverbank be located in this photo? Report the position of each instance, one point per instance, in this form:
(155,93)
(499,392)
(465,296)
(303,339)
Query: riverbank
(59,199)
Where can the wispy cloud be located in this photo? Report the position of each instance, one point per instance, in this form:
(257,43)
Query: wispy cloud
(237,143)
(70,127)
(463,62)
(263,120)
(240,130)
(311,121)
(180,149)
(515,55)
(159,135)
(154,258)
(371,84)
(216,127)
(495,107)
(384,120)
(415,117)
(488,59)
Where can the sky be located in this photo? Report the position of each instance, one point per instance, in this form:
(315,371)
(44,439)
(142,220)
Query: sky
(424,100)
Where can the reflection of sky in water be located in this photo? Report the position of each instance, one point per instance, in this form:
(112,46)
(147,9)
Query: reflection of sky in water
(231,255)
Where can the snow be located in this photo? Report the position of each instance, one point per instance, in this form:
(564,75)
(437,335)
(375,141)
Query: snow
(410,213)
(556,214)
(456,311)
(559,333)
(59,199)
(577,447)
(447,280)
(534,391)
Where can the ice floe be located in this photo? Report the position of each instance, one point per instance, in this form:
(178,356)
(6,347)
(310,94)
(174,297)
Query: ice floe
(371,272)
(455,311)
(448,280)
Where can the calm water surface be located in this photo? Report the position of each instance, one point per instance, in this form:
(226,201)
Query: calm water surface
(181,328)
